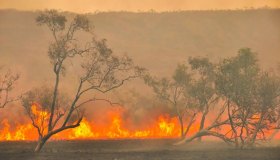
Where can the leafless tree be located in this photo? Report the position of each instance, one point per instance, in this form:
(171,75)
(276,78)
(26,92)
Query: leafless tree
(7,83)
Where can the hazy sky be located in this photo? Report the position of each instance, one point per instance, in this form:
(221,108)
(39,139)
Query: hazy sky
(135,5)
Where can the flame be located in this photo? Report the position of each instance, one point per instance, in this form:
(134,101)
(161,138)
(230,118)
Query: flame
(83,131)
(163,127)
(21,132)
(114,127)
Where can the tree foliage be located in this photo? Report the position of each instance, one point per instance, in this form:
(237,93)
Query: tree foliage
(101,72)
(246,97)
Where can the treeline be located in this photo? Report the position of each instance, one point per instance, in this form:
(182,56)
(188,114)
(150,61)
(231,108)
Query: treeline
(246,96)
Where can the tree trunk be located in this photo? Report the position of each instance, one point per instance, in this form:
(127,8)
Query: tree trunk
(54,100)
(201,127)
(258,126)
(204,133)
(181,127)
(232,126)
(40,145)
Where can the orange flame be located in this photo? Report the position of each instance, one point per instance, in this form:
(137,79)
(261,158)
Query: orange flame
(164,127)
(115,127)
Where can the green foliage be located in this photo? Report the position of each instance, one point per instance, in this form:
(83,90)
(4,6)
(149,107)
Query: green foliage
(181,76)
(236,77)
(202,88)
(267,95)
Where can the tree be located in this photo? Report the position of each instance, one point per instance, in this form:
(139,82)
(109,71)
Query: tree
(266,111)
(202,92)
(7,82)
(252,97)
(175,92)
(203,89)
(235,83)
(101,72)
(37,103)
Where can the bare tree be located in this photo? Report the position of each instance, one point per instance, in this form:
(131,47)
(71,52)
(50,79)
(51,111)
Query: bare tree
(7,82)
(101,71)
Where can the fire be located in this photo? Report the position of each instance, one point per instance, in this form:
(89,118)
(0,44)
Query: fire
(113,126)
(164,127)
(83,131)
(19,133)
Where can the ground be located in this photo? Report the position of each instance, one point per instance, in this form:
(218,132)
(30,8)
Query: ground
(134,150)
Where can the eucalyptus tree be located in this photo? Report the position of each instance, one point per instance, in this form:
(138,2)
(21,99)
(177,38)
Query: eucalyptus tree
(100,70)
(202,92)
(236,84)
(174,91)
(252,97)
(266,111)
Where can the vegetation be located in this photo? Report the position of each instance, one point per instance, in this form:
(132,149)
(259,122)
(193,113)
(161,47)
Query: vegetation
(250,96)
(244,97)
(174,92)
(101,72)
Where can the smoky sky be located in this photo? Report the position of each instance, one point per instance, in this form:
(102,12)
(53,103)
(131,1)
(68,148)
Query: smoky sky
(133,5)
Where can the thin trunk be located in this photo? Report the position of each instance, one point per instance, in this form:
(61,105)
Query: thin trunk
(232,126)
(257,129)
(244,117)
(240,136)
(180,118)
(78,94)
(181,126)
(202,122)
(189,125)
(53,101)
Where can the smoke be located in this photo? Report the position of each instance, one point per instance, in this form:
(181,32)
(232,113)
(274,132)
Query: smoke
(135,110)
